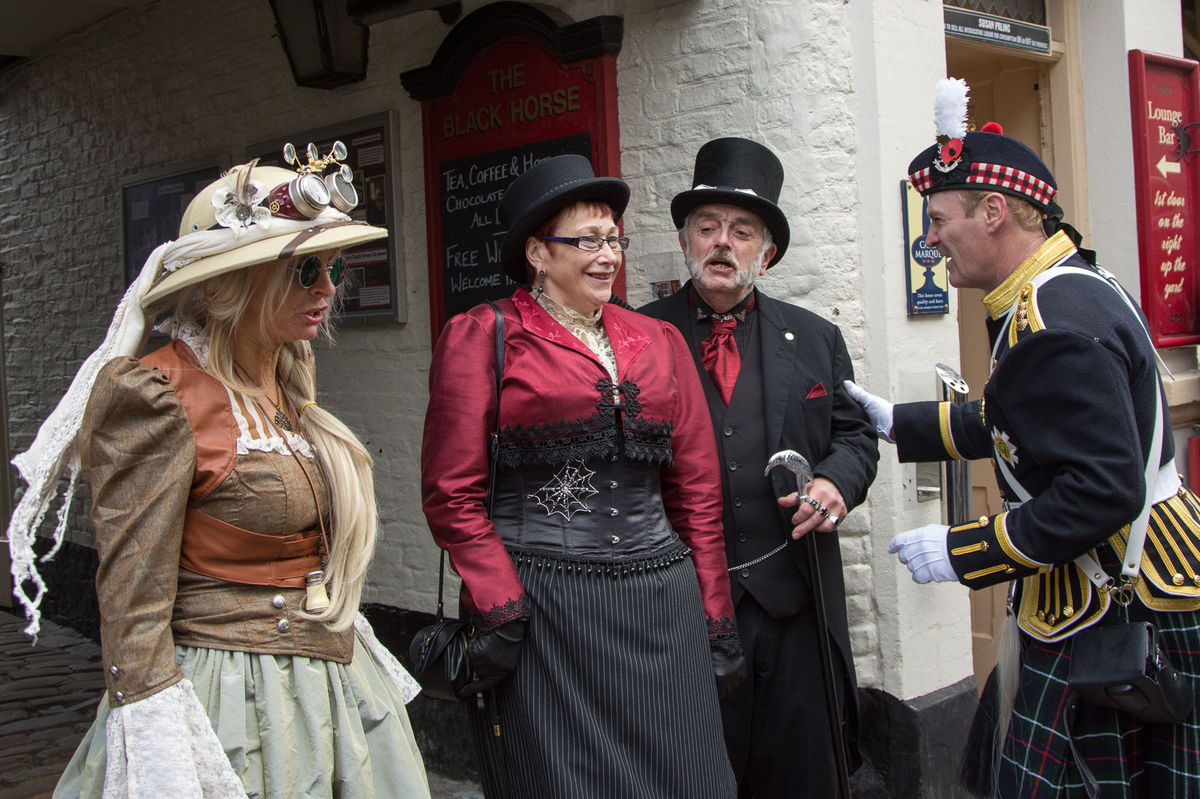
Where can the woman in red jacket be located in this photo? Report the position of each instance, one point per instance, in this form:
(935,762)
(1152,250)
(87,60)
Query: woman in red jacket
(598,586)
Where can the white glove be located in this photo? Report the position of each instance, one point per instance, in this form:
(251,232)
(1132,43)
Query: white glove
(924,551)
(879,409)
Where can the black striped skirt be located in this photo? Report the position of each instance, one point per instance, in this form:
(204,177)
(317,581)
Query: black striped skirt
(614,695)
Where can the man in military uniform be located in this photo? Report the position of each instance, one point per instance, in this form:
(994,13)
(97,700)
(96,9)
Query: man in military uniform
(1074,418)
(772,374)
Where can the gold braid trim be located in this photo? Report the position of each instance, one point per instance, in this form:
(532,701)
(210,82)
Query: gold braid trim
(944,427)
(1013,553)
(1053,250)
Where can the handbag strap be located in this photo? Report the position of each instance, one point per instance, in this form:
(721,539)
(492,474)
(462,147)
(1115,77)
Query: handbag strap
(1140,526)
(493,447)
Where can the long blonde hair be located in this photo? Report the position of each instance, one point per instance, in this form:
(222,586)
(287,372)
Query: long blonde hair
(218,306)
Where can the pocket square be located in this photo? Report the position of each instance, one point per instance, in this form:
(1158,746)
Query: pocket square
(817,391)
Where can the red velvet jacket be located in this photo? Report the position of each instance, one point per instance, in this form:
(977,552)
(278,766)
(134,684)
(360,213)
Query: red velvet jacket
(556,391)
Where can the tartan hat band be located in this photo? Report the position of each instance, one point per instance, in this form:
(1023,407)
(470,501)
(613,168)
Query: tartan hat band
(986,160)
(995,176)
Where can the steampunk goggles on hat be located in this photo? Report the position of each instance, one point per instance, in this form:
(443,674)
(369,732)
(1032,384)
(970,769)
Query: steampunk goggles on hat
(309,194)
(302,198)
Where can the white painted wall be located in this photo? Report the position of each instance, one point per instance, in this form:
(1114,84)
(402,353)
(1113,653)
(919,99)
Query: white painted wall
(1108,30)
(922,633)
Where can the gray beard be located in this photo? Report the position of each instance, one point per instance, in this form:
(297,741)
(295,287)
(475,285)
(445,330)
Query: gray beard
(743,279)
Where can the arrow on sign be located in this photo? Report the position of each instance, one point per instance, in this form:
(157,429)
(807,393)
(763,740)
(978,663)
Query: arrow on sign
(1164,166)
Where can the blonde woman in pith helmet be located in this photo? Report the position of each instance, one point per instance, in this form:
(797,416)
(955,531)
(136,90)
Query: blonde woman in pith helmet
(234,517)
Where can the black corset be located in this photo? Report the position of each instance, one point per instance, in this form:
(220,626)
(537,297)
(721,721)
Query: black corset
(606,508)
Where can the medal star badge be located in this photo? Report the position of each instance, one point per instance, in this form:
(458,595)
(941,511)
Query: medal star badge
(1004,446)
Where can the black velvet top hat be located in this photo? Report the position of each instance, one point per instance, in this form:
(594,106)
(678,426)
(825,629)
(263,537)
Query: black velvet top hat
(542,191)
(985,160)
(738,172)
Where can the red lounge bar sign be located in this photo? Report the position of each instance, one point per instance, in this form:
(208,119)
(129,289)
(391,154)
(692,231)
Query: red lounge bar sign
(510,86)
(1163,92)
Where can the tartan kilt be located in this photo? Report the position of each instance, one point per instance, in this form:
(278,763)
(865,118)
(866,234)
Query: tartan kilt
(1130,759)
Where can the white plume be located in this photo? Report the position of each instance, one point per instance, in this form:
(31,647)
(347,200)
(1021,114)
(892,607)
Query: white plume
(950,108)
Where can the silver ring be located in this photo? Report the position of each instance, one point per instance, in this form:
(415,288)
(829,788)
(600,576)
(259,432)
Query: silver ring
(834,520)
(823,511)
(816,505)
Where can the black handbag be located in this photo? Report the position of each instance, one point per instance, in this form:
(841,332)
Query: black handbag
(439,651)
(1121,666)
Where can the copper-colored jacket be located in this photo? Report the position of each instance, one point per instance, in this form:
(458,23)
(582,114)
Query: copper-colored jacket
(160,434)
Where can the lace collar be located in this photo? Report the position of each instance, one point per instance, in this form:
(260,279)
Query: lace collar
(589,329)
(570,319)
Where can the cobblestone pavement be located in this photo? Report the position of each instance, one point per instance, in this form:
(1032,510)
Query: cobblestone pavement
(48,696)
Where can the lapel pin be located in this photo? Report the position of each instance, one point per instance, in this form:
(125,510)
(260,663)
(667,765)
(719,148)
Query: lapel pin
(789,335)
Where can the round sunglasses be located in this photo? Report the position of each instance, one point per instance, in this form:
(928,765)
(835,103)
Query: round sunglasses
(310,271)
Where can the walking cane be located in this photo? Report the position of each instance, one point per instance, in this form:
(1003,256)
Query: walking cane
(795,463)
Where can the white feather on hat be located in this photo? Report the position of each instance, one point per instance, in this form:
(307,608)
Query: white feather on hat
(950,108)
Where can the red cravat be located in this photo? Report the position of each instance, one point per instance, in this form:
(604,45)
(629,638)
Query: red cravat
(719,354)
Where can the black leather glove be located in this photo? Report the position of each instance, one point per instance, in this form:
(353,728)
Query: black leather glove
(492,654)
(729,664)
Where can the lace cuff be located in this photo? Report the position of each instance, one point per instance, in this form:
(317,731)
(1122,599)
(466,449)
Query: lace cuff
(511,610)
(404,681)
(724,628)
(164,745)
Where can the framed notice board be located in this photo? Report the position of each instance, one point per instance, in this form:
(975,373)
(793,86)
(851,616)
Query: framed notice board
(374,292)
(926,282)
(1165,103)
(509,86)
(152,206)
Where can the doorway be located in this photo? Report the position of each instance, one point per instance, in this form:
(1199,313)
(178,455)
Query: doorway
(1013,92)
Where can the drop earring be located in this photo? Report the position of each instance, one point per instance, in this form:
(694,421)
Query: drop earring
(541,286)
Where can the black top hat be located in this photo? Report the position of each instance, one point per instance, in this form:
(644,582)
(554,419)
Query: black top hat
(737,172)
(542,191)
(984,160)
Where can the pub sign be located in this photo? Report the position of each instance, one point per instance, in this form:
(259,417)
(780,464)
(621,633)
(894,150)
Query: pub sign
(510,86)
(1166,141)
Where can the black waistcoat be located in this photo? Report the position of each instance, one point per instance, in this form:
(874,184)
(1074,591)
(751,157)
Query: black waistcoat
(752,520)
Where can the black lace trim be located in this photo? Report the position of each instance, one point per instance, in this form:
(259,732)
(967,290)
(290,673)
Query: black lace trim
(558,442)
(599,565)
(511,610)
(629,393)
(729,647)
(597,436)
(725,629)
(649,441)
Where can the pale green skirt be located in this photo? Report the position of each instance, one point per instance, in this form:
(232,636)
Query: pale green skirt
(291,726)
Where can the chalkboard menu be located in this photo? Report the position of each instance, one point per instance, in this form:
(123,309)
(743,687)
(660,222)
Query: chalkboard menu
(471,231)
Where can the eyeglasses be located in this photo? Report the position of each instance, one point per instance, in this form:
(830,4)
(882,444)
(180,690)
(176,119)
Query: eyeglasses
(593,243)
(310,271)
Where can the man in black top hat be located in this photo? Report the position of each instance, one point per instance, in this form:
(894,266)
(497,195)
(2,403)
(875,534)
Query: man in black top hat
(772,374)
(1075,422)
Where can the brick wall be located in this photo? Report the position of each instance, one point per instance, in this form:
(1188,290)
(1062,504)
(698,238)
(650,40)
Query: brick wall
(171,83)
(779,73)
